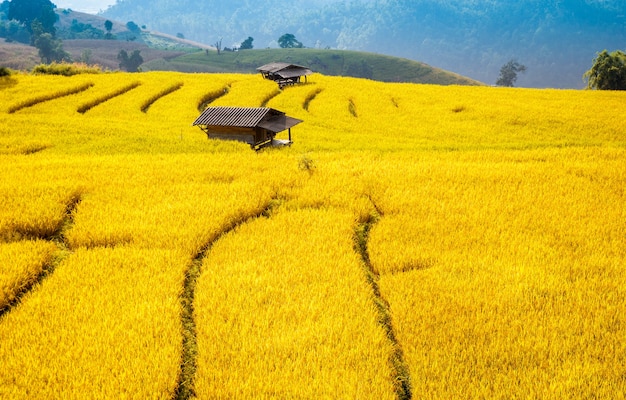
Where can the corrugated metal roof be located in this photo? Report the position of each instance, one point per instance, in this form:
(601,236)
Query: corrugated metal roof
(273,67)
(293,72)
(285,70)
(246,117)
(279,123)
(232,116)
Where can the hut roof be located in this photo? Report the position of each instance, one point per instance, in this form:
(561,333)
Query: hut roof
(285,70)
(247,117)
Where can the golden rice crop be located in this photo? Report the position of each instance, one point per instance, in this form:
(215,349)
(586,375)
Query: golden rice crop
(21,263)
(493,219)
(494,268)
(245,92)
(49,96)
(18,89)
(168,207)
(104,325)
(164,92)
(34,209)
(280,315)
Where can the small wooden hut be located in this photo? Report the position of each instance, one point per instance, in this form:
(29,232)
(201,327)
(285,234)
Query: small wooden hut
(283,73)
(256,126)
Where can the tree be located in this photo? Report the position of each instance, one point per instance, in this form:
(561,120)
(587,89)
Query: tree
(608,71)
(508,73)
(132,63)
(28,11)
(85,56)
(218,46)
(108,25)
(288,41)
(133,27)
(50,49)
(246,44)
(14,31)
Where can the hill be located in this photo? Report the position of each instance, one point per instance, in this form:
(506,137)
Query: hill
(328,62)
(555,40)
(83,38)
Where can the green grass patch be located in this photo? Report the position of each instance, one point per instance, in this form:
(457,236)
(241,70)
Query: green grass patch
(328,62)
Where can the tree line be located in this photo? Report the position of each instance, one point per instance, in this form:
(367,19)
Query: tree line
(38,18)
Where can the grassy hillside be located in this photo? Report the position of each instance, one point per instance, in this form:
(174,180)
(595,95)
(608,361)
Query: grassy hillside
(328,62)
(448,242)
(164,53)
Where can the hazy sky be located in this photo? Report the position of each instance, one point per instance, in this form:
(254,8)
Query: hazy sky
(87,6)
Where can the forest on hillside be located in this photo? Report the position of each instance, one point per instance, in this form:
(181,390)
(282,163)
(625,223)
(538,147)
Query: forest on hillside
(556,40)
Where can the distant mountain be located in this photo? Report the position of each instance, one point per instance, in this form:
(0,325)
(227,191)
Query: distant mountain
(556,40)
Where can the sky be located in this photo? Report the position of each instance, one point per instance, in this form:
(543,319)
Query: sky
(86,6)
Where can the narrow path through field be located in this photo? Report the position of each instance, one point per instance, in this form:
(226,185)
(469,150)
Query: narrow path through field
(402,376)
(185,389)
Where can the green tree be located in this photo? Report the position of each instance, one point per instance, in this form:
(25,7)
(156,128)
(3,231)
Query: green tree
(133,27)
(246,44)
(85,56)
(50,49)
(608,71)
(289,41)
(14,31)
(130,63)
(28,11)
(508,73)
(108,25)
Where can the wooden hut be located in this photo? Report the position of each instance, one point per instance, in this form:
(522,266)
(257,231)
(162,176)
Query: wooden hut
(284,73)
(256,126)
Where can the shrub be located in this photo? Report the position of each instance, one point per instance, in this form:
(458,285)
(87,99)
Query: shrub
(66,69)
(4,71)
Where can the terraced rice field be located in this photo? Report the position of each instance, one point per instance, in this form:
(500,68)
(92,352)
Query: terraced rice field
(415,241)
